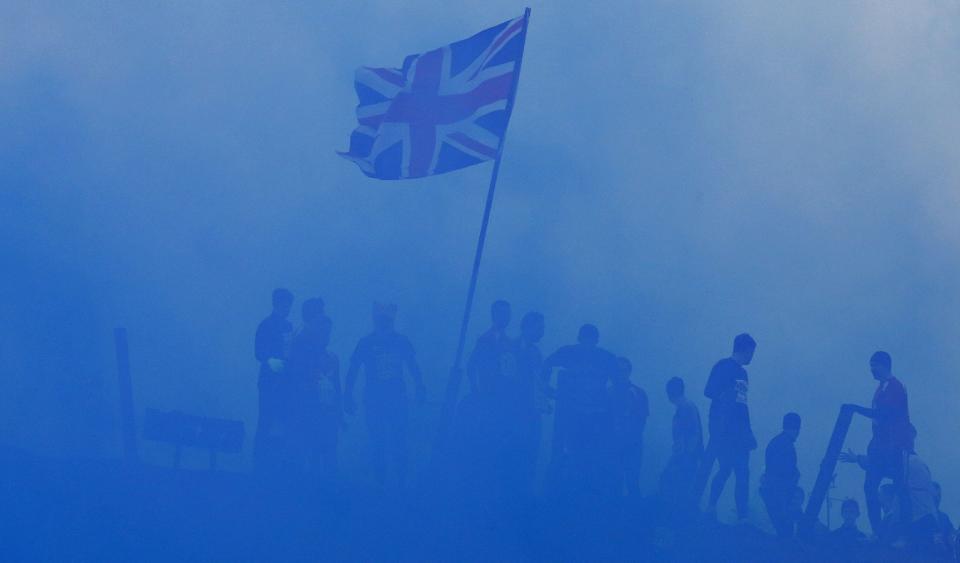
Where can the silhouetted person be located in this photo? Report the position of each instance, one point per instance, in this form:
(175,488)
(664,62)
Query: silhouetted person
(524,403)
(731,437)
(490,356)
(848,537)
(271,348)
(314,405)
(676,481)
(946,538)
(920,522)
(780,479)
(580,420)
(629,409)
(384,355)
(893,436)
(890,529)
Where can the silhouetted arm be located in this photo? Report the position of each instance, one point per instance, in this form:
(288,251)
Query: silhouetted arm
(414,369)
(259,345)
(335,380)
(552,362)
(355,361)
(473,368)
(867,412)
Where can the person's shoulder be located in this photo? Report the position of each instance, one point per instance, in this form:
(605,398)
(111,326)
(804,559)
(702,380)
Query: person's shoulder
(488,336)
(723,365)
(365,342)
(778,441)
(402,341)
(896,384)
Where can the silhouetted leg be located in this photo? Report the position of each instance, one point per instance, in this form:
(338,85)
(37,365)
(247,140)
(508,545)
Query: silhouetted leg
(399,441)
(741,470)
(328,451)
(558,448)
(776,503)
(634,461)
(871,492)
(720,480)
(703,472)
(267,419)
(377,429)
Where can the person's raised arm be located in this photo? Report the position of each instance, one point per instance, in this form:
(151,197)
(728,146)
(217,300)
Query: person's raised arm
(867,412)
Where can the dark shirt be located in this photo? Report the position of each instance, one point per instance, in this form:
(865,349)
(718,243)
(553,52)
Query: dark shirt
(630,408)
(313,370)
(528,360)
(493,363)
(687,429)
(847,537)
(729,419)
(582,383)
(781,460)
(272,341)
(892,429)
(382,356)
(944,523)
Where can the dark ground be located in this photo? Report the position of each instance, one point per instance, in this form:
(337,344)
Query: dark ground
(98,510)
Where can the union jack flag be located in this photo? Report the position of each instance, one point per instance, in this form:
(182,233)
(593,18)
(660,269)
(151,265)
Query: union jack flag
(443,110)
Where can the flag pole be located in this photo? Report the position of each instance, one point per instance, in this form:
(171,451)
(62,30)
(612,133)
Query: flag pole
(456,375)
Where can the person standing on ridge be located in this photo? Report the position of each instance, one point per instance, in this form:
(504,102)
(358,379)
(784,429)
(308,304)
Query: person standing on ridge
(385,355)
(731,437)
(271,348)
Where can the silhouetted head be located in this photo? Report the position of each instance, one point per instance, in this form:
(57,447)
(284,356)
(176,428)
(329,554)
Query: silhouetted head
(624,369)
(532,327)
(312,311)
(881,365)
(937,493)
(743,348)
(888,497)
(589,335)
(500,314)
(675,389)
(850,511)
(791,424)
(282,302)
(383,316)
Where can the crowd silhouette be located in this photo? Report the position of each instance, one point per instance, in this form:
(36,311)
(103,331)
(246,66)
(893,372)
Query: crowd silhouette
(596,443)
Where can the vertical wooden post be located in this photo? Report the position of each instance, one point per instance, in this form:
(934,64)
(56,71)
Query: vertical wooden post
(128,429)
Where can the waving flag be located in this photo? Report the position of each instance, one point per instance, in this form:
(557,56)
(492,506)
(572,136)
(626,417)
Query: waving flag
(442,110)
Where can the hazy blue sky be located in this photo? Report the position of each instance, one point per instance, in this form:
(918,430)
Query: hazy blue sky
(676,172)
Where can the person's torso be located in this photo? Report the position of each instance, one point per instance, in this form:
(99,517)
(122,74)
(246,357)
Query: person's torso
(891,426)
(274,340)
(728,408)
(584,377)
(781,460)
(383,359)
(687,430)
